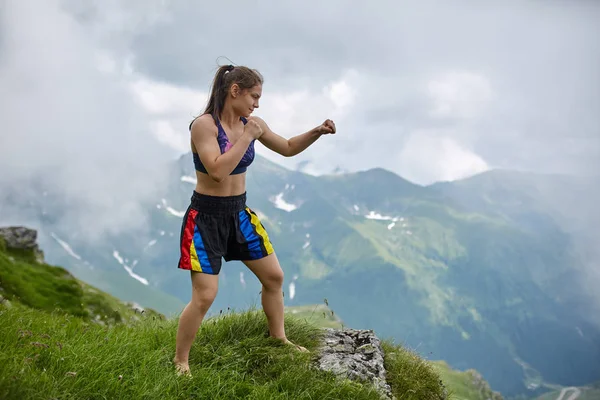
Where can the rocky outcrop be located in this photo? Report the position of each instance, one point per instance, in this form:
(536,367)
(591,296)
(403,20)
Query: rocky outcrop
(482,385)
(356,355)
(21,238)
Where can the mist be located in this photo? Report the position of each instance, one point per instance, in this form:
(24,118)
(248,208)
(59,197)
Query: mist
(96,96)
(71,124)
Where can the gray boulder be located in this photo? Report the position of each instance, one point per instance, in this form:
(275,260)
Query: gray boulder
(356,355)
(22,238)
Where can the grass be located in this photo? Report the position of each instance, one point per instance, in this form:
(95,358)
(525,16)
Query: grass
(57,356)
(47,287)
(62,338)
(467,385)
(316,314)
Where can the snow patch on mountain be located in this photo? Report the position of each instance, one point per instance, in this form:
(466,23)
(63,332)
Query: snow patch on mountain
(242,280)
(280,203)
(307,243)
(189,179)
(378,216)
(171,210)
(65,246)
(292,287)
(129,270)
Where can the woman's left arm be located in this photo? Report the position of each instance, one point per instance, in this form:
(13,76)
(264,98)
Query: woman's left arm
(295,145)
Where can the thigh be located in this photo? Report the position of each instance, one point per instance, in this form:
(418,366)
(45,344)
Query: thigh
(204,286)
(267,269)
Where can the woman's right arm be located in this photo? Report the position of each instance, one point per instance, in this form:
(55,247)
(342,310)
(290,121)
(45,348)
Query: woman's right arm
(219,166)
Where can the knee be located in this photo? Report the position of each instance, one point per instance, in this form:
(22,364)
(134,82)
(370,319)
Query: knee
(274,281)
(203,300)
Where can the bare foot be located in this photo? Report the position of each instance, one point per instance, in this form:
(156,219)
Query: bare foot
(182,368)
(296,346)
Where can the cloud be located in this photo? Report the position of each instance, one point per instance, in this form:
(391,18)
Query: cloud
(97,95)
(71,123)
(459,94)
(114,85)
(170,109)
(432,156)
(516,82)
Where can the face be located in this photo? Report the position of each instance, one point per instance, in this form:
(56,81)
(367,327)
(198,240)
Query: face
(246,100)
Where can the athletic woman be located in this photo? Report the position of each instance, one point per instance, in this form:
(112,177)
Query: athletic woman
(218,223)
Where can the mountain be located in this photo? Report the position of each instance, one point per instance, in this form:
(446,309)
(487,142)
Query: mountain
(25,278)
(588,392)
(560,205)
(61,337)
(474,272)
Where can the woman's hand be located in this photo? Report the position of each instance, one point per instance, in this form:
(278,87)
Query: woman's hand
(327,127)
(253,129)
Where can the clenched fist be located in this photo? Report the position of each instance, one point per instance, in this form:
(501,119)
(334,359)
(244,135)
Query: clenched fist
(253,129)
(327,127)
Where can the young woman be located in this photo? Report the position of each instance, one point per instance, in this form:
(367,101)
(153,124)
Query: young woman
(218,223)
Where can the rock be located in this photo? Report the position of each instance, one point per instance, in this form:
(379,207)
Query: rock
(4,302)
(21,238)
(356,355)
(135,307)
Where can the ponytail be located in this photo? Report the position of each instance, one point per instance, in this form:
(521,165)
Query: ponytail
(227,75)
(218,93)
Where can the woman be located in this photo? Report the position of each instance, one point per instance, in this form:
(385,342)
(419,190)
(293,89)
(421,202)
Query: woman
(218,224)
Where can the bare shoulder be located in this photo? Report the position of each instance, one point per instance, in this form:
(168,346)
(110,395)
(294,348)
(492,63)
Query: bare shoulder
(204,125)
(259,121)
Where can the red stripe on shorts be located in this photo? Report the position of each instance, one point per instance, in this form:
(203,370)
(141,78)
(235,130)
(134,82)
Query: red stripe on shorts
(188,236)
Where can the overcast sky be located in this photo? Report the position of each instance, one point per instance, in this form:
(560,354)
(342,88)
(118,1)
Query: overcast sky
(430,90)
(102,90)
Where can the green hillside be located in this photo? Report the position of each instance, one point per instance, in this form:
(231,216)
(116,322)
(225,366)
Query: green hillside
(59,356)
(53,289)
(61,338)
(316,314)
(481,266)
(465,385)
(468,385)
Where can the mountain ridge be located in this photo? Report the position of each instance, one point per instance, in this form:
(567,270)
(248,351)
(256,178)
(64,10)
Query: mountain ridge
(413,262)
(112,331)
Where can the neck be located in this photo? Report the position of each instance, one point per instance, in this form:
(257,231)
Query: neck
(228,116)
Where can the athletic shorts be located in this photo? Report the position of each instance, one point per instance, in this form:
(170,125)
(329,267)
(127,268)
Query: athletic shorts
(216,227)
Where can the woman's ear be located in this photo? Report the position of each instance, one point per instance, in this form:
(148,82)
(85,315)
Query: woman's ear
(235,90)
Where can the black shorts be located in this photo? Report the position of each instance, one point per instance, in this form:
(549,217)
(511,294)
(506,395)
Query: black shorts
(216,227)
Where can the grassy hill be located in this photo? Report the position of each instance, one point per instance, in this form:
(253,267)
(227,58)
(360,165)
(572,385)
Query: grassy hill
(466,385)
(61,338)
(52,288)
(455,270)
(61,356)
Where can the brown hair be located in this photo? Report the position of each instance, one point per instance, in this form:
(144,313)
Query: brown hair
(226,76)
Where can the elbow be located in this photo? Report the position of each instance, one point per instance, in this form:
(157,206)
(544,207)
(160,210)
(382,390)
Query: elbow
(214,172)
(217,178)
(289,151)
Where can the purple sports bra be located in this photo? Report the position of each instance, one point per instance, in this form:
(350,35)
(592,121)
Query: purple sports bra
(224,145)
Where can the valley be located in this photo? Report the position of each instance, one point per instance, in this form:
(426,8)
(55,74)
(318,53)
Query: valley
(478,273)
